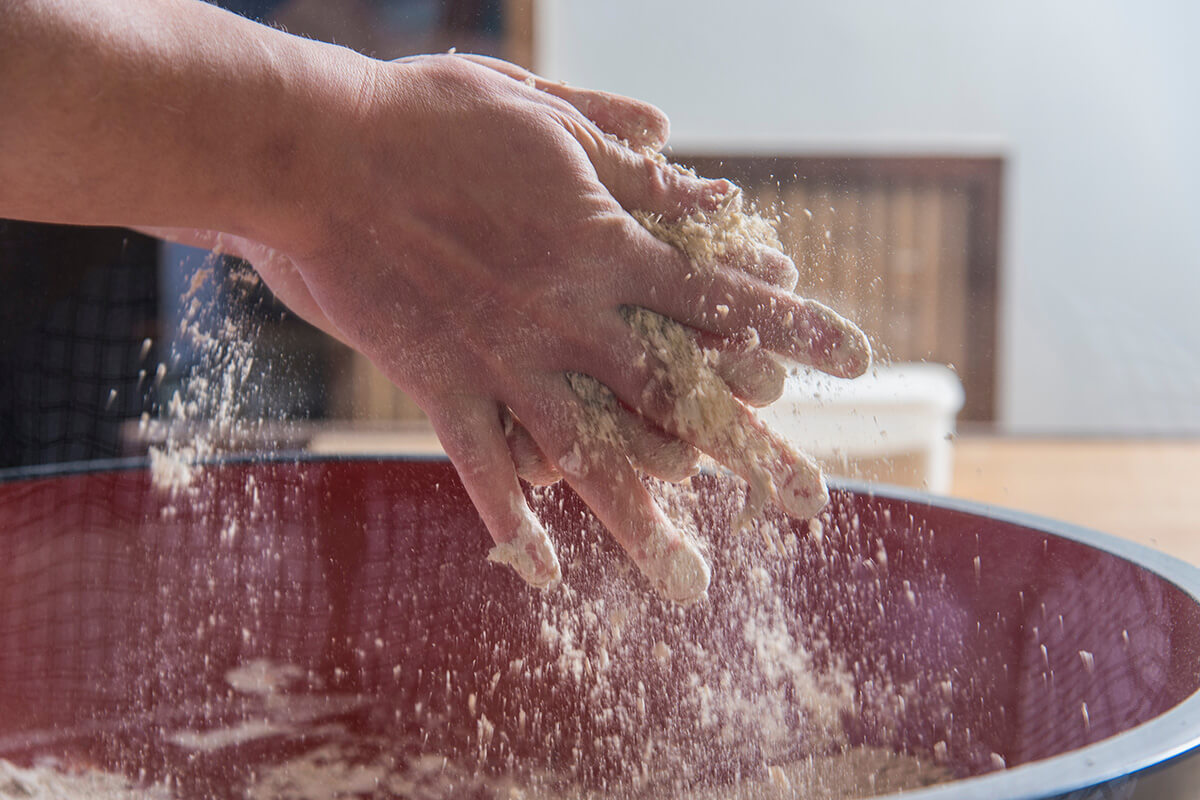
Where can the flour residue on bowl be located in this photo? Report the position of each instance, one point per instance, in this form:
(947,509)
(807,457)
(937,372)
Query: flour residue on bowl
(52,780)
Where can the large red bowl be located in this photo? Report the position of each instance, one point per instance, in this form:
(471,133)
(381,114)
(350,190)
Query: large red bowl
(970,636)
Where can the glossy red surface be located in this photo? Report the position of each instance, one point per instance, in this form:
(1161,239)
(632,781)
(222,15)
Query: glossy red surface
(122,609)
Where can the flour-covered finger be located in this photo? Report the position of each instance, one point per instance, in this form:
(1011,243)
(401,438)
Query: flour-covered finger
(727,236)
(648,447)
(583,442)
(469,429)
(531,463)
(655,452)
(692,401)
(729,304)
(644,182)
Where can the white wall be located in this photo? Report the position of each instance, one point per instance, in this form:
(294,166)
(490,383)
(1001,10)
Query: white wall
(1094,104)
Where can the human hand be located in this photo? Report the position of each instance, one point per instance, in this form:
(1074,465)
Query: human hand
(470,234)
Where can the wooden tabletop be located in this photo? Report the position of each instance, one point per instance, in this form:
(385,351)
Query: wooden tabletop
(1147,490)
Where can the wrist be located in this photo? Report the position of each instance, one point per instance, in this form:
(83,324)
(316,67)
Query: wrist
(290,158)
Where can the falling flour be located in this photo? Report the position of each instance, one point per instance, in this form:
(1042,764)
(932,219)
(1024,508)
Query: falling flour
(214,409)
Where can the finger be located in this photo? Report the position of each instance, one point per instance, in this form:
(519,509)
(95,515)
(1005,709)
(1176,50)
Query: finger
(751,373)
(469,430)
(656,452)
(638,123)
(531,463)
(675,384)
(764,262)
(646,182)
(585,447)
(650,449)
(730,304)
(727,236)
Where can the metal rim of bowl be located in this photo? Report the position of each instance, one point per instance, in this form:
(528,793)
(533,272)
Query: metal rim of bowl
(1125,755)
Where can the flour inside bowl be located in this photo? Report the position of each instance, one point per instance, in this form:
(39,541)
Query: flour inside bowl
(54,781)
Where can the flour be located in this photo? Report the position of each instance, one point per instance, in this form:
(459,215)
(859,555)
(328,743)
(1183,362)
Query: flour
(726,235)
(53,782)
(214,408)
(529,552)
(705,409)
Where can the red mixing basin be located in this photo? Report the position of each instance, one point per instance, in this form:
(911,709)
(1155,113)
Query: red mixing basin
(1026,658)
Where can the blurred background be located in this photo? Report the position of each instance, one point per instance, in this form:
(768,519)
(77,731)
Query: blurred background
(1003,195)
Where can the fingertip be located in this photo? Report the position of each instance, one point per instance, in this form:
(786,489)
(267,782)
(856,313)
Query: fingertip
(799,486)
(529,550)
(858,357)
(654,125)
(827,341)
(758,380)
(673,461)
(776,268)
(687,576)
(673,564)
(847,352)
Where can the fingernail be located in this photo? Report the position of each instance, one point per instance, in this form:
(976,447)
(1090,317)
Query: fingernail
(530,551)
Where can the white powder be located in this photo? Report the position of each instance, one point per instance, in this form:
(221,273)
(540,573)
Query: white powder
(53,782)
(209,413)
(724,236)
(529,552)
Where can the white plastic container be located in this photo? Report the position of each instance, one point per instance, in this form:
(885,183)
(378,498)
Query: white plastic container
(893,425)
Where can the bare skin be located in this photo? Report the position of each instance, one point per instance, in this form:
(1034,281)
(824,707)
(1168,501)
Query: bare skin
(463,224)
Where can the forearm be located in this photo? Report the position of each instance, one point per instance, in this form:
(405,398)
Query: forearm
(168,113)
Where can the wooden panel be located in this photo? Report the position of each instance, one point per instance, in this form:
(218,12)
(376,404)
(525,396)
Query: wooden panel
(518,33)
(908,247)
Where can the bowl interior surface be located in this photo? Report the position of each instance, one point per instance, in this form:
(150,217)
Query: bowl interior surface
(270,608)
